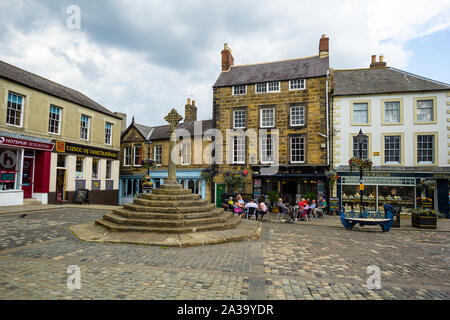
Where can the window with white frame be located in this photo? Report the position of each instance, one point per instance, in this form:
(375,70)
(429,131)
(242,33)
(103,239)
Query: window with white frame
(297,149)
(240,89)
(84,127)
(186,153)
(54,120)
(108,169)
(157,154)
(239,149)
(425,111)
(137,155)
(273,86)
(392,149)
(239,119)
(392,112)
(267,116)
(297,84)
(127,156)
(361,113)
(364,147)
(261,87)
(108,133)
(297,116)
(266,147)
(425,149)
(14,110)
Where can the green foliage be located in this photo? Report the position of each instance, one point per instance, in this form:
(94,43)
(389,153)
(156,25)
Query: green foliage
(273,196)
(311,196)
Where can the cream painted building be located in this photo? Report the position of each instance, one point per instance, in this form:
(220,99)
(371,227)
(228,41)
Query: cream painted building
(406,119)
(58,139)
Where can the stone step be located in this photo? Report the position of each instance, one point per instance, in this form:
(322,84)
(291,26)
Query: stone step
(157,215)
(115,227)
(173,223)
(171,186)
(171,203)
(171,191)
(151,196)
(170,210)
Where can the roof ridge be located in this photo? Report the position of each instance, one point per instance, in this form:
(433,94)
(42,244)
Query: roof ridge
(283,60)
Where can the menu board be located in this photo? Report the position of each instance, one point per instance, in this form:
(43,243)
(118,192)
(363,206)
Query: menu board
(7,176)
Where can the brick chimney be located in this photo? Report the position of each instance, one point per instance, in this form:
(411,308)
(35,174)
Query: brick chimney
(377,64)
(324,46)
(190,111)
(227,58)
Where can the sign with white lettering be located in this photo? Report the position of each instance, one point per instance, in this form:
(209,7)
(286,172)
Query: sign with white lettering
(29,144)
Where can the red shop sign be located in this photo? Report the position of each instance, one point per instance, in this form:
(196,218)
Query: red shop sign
(8,141)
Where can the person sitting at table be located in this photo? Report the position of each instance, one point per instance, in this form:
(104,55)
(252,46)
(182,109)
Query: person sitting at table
(282,207)
(252,204)
(321,206)
(262,209)
(313,207)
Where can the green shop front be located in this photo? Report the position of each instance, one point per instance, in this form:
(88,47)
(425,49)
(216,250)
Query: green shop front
(405,190)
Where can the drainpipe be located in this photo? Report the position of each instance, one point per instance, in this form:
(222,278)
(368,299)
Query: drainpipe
(327,118)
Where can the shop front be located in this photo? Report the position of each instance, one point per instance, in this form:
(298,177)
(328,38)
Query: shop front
(291,184)
(24,168)
(406,191)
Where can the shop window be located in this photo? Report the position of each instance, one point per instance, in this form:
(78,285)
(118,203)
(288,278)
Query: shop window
(95,164)
(108,169)
(61,161)
(8,165)
(79,168)
(14,110)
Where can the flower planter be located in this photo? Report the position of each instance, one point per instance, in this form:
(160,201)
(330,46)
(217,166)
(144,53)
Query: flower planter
(424,222)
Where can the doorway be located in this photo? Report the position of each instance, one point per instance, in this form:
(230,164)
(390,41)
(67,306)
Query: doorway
(27,177)
(60,184)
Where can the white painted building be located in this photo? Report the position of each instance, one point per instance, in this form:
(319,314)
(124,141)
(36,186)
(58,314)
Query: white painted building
(406,119)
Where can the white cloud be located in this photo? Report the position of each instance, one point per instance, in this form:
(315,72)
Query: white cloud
(143,78)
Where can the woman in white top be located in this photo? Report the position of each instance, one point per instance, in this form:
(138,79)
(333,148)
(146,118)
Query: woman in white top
(262,209)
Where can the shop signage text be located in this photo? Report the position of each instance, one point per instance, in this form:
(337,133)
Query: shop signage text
(28,144)
(62,146)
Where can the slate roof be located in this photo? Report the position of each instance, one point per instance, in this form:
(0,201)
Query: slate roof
(36,82)
(144,130)
(162,132)
(274,71)
(385,80)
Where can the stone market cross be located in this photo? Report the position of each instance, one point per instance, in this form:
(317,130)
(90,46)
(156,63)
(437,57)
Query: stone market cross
(173,118)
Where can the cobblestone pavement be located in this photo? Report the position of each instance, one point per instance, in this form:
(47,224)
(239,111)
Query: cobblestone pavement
(290,261)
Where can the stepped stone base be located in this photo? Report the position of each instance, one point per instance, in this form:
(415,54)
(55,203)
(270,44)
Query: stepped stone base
(169,216)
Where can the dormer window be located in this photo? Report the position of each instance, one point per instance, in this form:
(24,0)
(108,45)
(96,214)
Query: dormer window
(241,89)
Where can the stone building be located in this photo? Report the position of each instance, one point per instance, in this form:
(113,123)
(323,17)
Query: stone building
(53,141)
(405,118)
(193,151)
(289,100)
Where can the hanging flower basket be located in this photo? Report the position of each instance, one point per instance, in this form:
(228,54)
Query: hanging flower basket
(147,163)
(360,164)
(206,174)
(233,177)
(332,177)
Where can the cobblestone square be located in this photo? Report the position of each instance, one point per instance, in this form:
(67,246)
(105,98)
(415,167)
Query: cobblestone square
(290,261)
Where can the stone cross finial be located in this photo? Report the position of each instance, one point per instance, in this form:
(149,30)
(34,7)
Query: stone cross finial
(173,118)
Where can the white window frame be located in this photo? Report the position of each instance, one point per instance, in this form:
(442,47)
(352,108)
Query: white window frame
(108,135)
(88,128)
(263,147)
(235,88)
(433,150)
(157,155)
(431,109)
(303,111)
(262,86)
(367,110)
(261,111)
(185,153)
(58,121)
(127,156)
(292,84)
(272,90)
(238,156)
(21,111)
(108,165)
(292,149)
(234,118)
(135,147)
(385,150)
(386,103)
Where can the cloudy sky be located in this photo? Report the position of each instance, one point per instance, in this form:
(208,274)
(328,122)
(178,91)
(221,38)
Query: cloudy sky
(146,57)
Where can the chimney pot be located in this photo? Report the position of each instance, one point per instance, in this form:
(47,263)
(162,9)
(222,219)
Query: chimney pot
(374,58)
(323,46)
(188,101)
(193,103)
(381,58)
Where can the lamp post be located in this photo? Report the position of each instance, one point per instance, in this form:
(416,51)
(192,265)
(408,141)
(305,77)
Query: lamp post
(361,138)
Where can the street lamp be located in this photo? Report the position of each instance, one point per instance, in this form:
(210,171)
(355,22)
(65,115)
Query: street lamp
(361,139)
